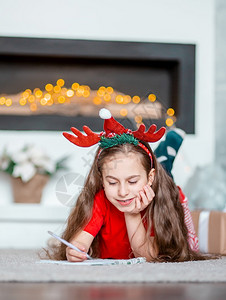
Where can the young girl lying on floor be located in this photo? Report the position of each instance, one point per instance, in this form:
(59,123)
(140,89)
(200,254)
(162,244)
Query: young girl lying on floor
(129,206)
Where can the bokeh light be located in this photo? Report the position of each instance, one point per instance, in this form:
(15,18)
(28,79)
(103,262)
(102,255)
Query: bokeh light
(33,107)
(97,100)
(138,119)
(123,112)
(75,86)
(152,97)
(119,99)
(8,102)
(70,93)
(2,100)
(31,98)
(23,101)
(136,99)
(60,82)
(57,89)
(169,122)
(109,90)
(49,87)
(61,99)
(38,93)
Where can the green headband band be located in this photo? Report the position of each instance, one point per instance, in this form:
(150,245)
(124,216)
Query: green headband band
(118,139)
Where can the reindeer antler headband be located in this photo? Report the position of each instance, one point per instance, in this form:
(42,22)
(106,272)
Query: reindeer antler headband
(114,134)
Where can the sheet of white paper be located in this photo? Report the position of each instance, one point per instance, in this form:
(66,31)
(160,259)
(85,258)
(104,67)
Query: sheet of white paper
(97,262)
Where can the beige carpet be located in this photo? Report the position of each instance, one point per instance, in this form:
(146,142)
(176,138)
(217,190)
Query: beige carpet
(24,266)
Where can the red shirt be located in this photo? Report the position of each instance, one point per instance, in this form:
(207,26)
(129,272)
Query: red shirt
(109,222)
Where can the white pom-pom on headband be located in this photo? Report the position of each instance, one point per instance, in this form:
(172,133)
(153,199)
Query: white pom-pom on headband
(104,113)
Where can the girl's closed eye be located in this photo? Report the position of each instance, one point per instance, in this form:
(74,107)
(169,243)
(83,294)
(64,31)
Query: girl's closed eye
(132,182)
(112,183)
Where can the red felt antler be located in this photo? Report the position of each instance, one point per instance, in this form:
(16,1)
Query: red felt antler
(82,140)
(151,135)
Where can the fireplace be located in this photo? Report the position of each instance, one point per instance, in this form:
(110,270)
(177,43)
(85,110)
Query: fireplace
(133,68)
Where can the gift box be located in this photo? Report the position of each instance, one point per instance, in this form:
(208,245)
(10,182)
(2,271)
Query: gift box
(210,227)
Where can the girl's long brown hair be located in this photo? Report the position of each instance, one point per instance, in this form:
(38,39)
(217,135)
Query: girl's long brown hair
(165,211)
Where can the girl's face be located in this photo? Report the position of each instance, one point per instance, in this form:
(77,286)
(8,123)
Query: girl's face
(123,177)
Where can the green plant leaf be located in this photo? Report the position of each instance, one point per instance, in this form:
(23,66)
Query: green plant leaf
(10,168)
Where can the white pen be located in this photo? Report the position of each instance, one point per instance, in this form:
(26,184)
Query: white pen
(68,244)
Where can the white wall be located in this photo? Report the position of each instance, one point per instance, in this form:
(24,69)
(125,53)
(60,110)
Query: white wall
(174,21)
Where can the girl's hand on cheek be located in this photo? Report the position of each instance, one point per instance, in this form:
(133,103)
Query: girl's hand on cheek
(144,198)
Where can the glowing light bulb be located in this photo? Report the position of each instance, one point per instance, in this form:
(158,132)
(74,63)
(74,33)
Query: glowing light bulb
(47,96)
(119,99)
(100,93)
(169,122)
(43,101)
(2,100)
(102,88)
(107,97)
(75,86)
(50,102)
(97,100)
(57,89)
(63,91)
(38,93)
(49,87)
(138,119)
(61,99)
(123,112)
(86,93)
(170,112)
(70,93)
(22,101)
(31,98)
(109,90)
(8,102)
(81,89)
(25,95)
(33,107)
(152,97)
(136,99)
(127,99)
(60,82)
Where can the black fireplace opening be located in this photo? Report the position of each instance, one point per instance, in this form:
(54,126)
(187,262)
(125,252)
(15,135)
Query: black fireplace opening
(133,68)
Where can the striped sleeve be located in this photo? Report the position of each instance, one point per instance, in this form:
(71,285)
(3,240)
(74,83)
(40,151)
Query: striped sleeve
(192,238)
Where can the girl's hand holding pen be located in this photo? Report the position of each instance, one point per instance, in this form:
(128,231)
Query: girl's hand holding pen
(74,255)
(80,251)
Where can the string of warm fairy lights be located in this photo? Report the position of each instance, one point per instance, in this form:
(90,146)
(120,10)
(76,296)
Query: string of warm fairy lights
(60,95)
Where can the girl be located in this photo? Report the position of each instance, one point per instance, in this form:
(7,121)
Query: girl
(129,205)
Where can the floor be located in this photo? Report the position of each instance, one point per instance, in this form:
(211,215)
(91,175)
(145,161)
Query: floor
(72,291)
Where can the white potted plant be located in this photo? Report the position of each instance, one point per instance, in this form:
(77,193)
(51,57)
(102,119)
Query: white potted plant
(29,168)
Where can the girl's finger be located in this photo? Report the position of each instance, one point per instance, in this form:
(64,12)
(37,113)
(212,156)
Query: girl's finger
(144,198)
(73,255)
(74,259)
(138,204)
(149,193)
